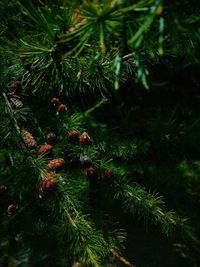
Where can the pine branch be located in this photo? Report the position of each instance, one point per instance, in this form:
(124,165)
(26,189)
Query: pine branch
(86,242)
(122,259)
(137,200)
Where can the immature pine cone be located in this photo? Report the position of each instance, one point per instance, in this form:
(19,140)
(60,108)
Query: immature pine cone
(47,186)
(73,136)
(90,172)
(45,149)
(85,161)
(28,139)
(16,103)
(55,100)
(51,138)
(84,138)
(16,86)
(107,173)
(56,163)
(11,209)
(61,107)
(3,188)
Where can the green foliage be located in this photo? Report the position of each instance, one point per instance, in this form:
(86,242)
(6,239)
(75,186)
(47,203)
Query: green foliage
(91,55)
(63,38)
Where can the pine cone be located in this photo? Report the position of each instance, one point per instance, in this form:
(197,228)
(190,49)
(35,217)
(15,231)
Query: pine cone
(61,107)
(90,172)
(107,173)
(28,139)
(11,209)
(16,86)
(73,136)
(16,103)
(84,138)
(85,161)
(3,188)
(47,186)
(56,163)
(44,149)
(55,100)
(51,138)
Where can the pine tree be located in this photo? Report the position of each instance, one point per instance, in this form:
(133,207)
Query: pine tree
(63,168)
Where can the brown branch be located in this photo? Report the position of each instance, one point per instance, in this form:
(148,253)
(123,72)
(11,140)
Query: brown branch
(122,259)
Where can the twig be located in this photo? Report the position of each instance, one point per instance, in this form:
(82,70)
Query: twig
(127,57)
(122,259)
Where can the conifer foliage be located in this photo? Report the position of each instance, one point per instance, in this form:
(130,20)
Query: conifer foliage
(62,169)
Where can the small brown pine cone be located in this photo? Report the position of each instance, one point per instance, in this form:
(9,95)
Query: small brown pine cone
(16,103)
(90,172)
(85,138)
(12,209)
(73,136)
(61,107)
(16,86)
(47,186)
(107,173)
(3,188)
(86,161)
(51,138)
(28,139)
(61,110)
(56,164)
(55,100)
(45,149)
